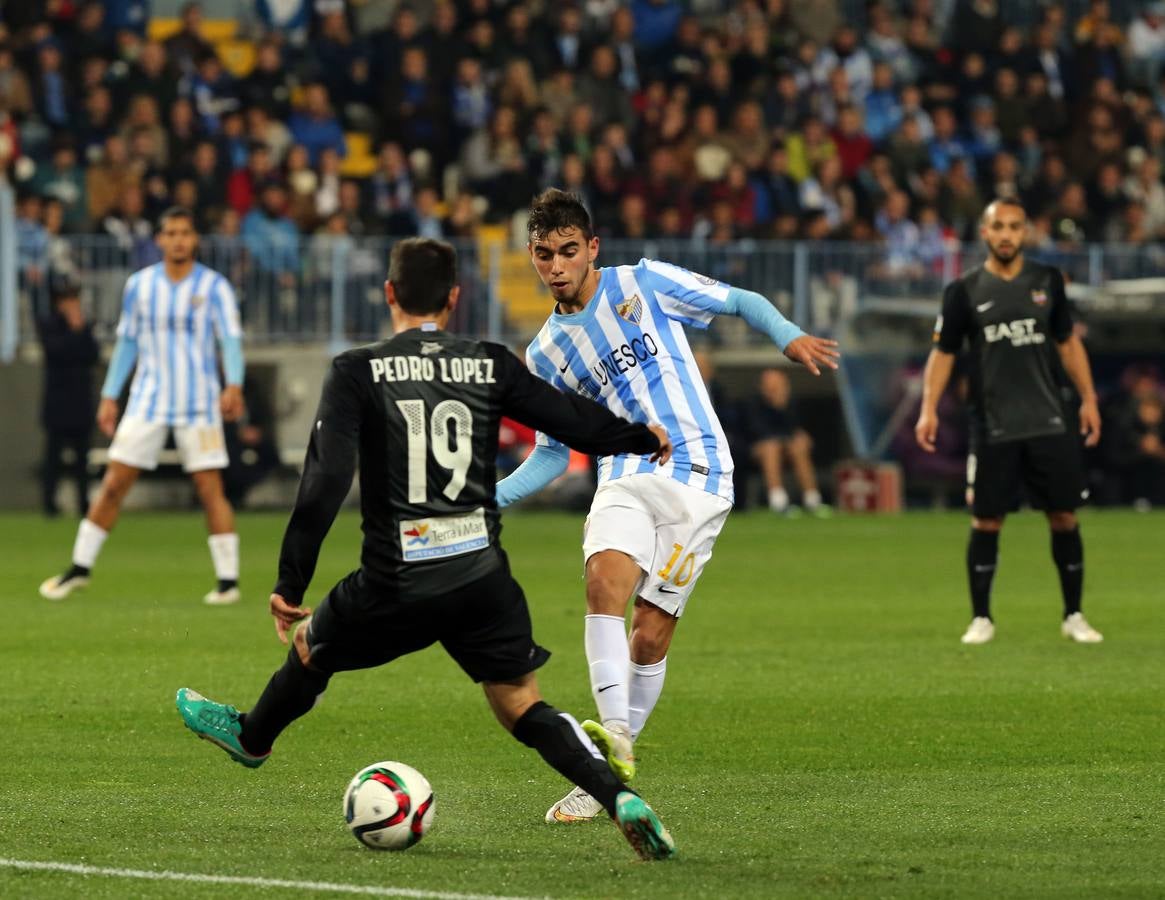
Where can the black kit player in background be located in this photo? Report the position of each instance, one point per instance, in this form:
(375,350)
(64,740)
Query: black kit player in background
(1012,312)
(420,412)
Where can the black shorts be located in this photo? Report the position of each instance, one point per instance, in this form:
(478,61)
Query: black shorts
(1050,469)
(484,626)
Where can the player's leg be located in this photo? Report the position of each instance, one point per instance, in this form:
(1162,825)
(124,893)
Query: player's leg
(800,448)
(79,442)
(561,742)
(93,530)
(50,471)
(204,456)
(326,643)
(611,578)
(1055,478)
(682,551)
(992,486)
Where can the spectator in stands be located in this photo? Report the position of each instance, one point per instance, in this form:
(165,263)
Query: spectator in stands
(143,118)
(261,128)
(184,133)
(1134,445)
(64,180)
(777,437)
(206,173)
(272,242)
(153,76)
(51,87)
(315,126)
(187,46)
(284,20)
(107,180)
(390,191)
(245,184)
(32,242)
(212,91)
(601,90)
(415,107)
(67,404)
(251,448)
(1143,187)
(494,165)
(267,85)
(1147,44)
(15,91)
(126,224)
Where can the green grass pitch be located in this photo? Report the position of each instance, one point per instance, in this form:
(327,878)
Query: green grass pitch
(822,732)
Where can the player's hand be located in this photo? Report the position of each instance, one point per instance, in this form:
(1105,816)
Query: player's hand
(663,454)
(285,615)
(1090,422)
(809,351)
(231,403)
(107,416)
(926,430)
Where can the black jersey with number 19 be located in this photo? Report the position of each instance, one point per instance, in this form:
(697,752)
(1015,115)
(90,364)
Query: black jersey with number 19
(421,412)
(1011,326)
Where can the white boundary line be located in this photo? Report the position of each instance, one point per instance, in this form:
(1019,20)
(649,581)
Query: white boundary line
(251,881)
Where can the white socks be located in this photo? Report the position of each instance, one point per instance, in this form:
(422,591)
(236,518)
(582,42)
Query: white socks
(812,499)
(778,499)
(609,658)
(646,685)
(224,551)
(90,537)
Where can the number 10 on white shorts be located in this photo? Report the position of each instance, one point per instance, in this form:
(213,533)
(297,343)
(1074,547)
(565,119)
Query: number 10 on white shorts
(668,528)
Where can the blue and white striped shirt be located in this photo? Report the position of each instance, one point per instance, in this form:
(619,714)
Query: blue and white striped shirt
(627,350)
(175,327)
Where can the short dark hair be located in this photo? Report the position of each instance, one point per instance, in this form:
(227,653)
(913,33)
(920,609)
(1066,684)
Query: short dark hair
(176,212)
(422,272)
(555,210)
(1005,200)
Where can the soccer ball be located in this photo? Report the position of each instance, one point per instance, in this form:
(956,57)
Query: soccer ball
(389,806)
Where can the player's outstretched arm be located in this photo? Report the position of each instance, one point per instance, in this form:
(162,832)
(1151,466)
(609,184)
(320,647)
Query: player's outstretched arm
(545,463)
(574,420)
(811,352)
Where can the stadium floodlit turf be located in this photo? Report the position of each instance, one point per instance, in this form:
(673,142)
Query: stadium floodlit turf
(822,731)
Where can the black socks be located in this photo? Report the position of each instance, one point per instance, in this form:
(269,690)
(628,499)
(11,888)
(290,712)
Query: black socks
(555,735)
(982,554)
(1068,554)
(290,693)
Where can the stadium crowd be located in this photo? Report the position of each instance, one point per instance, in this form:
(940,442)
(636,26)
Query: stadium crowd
(711,119)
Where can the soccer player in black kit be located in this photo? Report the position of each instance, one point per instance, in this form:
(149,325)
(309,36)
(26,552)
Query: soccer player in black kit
(420,412)
(1013,312)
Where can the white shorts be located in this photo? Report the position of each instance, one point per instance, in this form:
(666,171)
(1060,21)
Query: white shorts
(667,527)
(138,443)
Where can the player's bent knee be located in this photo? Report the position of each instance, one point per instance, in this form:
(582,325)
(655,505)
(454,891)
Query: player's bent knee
(981,524)
(1062,521)
(611,578)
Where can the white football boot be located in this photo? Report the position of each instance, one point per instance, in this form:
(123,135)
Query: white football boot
(577,806)
(222,598)
(1077,628)
(60,586)
(980,631)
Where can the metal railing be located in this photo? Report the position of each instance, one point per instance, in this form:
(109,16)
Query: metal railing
(329,289)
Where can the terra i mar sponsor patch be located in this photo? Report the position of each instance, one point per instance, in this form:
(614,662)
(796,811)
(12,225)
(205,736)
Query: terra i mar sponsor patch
(440,537)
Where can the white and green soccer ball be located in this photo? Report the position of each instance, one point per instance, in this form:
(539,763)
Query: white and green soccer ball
(389,806)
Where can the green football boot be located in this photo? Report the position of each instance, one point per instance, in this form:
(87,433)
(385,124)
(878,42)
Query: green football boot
(217,723)
(614,744)
(642,828)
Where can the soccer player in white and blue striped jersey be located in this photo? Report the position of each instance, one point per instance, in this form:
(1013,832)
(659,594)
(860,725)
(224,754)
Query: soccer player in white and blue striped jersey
(173,313)
(617,336)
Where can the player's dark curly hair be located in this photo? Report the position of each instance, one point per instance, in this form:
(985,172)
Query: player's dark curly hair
(423,272)
(554,210)
(176,212)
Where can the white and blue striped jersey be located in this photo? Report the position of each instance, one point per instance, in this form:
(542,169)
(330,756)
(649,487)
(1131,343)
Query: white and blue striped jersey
(627,350)
(175,327)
